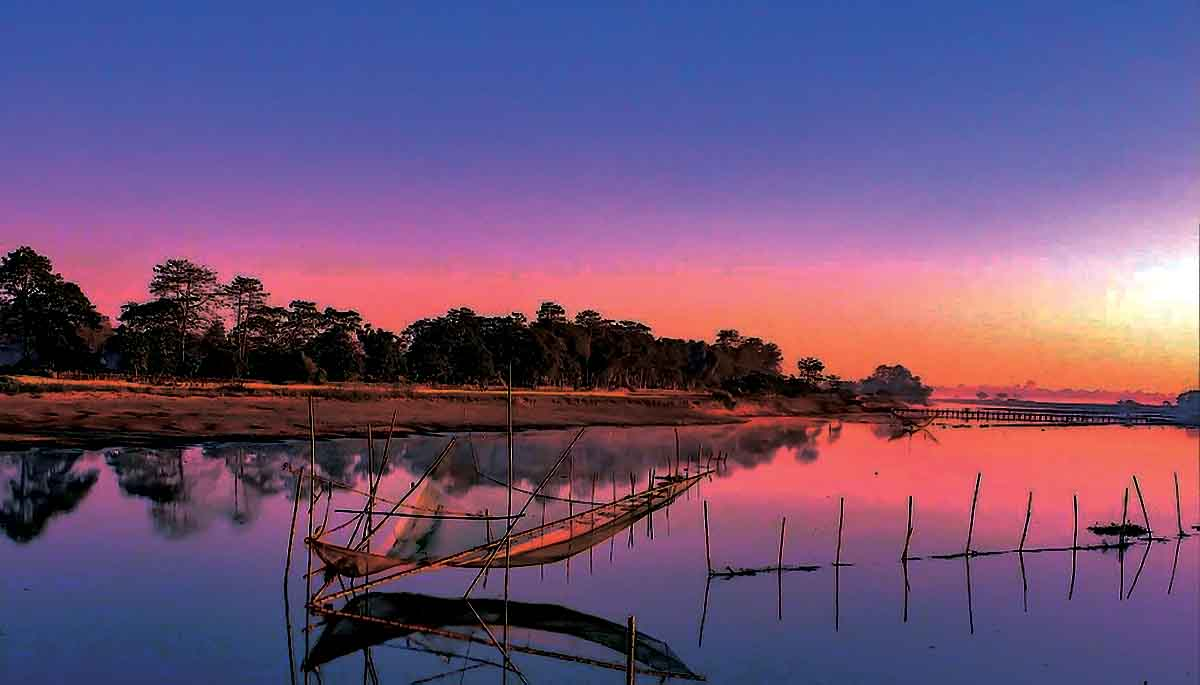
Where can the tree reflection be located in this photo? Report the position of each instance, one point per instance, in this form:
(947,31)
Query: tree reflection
(39,486)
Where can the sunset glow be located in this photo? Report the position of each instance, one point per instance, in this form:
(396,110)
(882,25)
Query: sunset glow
(1007,207)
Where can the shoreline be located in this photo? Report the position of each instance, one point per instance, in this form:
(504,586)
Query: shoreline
(110,413)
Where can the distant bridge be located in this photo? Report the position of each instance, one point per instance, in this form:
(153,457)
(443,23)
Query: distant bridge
(1058,417)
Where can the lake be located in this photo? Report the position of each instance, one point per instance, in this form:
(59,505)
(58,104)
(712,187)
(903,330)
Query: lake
(139,565)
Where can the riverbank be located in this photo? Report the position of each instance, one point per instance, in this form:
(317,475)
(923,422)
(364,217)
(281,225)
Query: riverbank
(97,412)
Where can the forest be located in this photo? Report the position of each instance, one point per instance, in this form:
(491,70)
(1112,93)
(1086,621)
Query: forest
(194,325)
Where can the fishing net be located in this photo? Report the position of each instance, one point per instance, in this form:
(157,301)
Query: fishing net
(545,544)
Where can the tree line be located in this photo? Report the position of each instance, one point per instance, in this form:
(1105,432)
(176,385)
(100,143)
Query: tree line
(197,326)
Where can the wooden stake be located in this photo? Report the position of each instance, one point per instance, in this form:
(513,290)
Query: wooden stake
(1025,531)
(908,535)
(782,531)
(677,449)
(707,549)
(837,561)
(974,501)
(1075,530)
(1124,518)
(312,489)
(508,533)
(650,517)
(631,646)
(1142,502)
(1178,508)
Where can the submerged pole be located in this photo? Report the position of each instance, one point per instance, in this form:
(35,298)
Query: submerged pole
(631,650)
(974,501)
(1145,517)
(1025,531)
(707,548)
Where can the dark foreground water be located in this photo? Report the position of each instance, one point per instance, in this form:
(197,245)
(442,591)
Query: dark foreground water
(153,566)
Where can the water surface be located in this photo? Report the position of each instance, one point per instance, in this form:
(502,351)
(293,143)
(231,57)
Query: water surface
(165,565)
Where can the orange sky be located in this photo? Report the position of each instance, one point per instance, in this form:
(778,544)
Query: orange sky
(1090,323)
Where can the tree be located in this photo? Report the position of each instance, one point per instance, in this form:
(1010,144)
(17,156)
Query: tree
(143,339)
(384,355)
(810,369)
(245,296)
(217,354)
(551,312)
(194,291)
(48,315)
(895,381)
(728,337)
(589,318)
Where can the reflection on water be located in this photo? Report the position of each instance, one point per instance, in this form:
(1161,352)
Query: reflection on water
(40,485)
(165,564)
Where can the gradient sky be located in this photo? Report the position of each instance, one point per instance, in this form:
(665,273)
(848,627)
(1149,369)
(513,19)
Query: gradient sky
(987,194)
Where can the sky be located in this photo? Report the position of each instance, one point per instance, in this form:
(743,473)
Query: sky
(989,193)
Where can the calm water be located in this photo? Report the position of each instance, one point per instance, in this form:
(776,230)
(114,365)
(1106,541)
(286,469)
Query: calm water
(151,566)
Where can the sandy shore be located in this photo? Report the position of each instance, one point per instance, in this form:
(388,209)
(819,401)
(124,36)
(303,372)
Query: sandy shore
(91,413)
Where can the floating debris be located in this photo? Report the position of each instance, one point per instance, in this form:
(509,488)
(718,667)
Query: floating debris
(1130,530)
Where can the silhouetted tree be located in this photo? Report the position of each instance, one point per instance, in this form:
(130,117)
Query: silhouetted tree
(48,316)
(144,338)
(895,381)
(217,354)
(810,369)
(245,296)
(194,291)
(383,353)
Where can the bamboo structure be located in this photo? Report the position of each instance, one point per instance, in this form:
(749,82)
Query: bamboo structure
(370,568)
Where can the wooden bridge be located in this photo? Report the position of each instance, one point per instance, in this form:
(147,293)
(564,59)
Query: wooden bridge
(1058,417)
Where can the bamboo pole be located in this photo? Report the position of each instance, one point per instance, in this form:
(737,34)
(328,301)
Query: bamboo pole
(312,488)
(1178,508)
(974,501)
(1075,529)
(908,535)
(837,561)
(1025,530)
(1124,518)
(508,533)
(707,548)
(782,532)
(631,650)
(677,449)
(1145,517)
(650,517)
(612,541)
(287,567)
